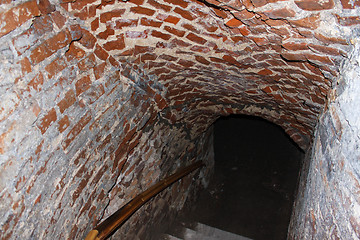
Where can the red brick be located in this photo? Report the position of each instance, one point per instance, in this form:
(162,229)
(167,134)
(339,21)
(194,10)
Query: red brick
(220,13)
(185,14)
(82,85)
(99,70)
(77,129)
(46,7)
(36,82)
(161,35)
(237,39)
(161,103)
(319,60)
(159,71)
(59,41)
(142,10)
(265,72)
(180,3)
(280,13)
(86,13)
(314,98)
(168,18)
(348,21)
(78,5)
(260,41)
(235,31)
(330,40)
(150,22)
(65,4)
(349,4)
(190,27)
(74,52)
(117,44)
(76,32)
(259,30)
(219,60)
(267,90)
(87,40)
(105,3)
(196,38)
(275,22)
(244,30)
(137,2)
(175,31)
(294,46)
(107,16)
(202,60)
(87,63)
(314,5)
(230,60)
(159,5)
(95,24)
(64,124)
(234,23)
(148,56)
(105,34)
(25,65)
(55,67)
(17,16)
(200,49)
(283,32)
(128,52)
(186,63)
(323,49)
(59,19)
(293,56)
(168,57)
(311,22)
(101,53)
(179,42)
(259,3)
(142,49)
(68,100)
(114,62)
(50,46)
(46,121)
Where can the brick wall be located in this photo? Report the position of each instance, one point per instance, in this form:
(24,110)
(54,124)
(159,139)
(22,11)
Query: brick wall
(328,203)
(101,98)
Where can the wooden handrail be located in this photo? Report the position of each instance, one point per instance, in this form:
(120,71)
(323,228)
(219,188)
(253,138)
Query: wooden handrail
(112,223)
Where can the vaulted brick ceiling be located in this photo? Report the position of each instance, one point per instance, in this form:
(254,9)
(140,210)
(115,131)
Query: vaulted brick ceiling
(274,59)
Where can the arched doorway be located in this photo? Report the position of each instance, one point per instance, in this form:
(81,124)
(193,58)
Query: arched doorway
(254,185)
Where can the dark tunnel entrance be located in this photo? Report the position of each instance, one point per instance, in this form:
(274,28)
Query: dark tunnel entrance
(256,173)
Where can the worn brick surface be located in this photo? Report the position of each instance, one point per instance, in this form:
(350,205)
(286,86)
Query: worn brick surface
(99,99)
(329,183)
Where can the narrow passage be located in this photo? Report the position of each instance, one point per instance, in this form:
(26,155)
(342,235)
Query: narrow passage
(256,173)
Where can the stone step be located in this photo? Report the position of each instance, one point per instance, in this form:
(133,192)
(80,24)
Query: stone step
(218,233)
(203,232)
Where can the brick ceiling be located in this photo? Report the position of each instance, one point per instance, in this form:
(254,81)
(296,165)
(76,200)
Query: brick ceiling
(269,58)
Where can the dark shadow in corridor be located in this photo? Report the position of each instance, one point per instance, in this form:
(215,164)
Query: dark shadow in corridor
(256,172)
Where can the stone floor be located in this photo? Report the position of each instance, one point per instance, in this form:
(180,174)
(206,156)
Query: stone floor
(256,172)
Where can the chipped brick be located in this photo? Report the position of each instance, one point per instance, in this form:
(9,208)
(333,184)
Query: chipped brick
(46,121)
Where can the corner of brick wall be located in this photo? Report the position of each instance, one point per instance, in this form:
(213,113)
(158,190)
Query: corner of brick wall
(328,200)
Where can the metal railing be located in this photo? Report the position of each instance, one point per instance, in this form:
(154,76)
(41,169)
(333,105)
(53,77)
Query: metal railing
(112,223)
